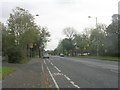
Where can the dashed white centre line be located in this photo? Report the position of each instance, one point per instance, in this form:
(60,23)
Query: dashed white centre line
(68,78)
(57,69)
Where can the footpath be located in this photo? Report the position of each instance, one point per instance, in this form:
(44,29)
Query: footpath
(28,75)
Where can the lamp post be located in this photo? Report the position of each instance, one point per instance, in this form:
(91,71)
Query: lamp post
(97,29)
(39,48)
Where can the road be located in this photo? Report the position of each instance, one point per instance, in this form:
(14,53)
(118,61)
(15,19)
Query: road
(67,72)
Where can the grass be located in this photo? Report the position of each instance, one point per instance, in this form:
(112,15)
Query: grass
(102,57)
(5,71)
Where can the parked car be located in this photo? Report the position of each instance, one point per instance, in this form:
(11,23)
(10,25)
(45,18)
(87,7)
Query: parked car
(62,55)
(46,55)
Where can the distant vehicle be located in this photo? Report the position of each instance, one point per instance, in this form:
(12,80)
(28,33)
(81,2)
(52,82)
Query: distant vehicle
(62,55)
(46,55)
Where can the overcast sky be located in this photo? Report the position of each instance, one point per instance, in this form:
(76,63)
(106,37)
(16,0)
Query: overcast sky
(58,14)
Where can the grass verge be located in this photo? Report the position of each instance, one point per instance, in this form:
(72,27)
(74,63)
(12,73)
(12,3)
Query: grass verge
(5,71)
(102,58)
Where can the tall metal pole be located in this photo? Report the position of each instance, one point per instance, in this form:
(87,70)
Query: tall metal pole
(97,38)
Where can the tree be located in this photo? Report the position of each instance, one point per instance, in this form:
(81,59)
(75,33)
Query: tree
(20,22)
(69,32)
(7,39)
(68,42)
(97,40)
(43,39)
(67,45)
(81,43)
(113,32)
(23,35)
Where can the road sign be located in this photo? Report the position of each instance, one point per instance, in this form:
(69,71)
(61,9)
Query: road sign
(31,45)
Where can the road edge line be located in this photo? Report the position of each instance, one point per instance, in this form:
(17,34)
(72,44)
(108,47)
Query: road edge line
(52,76)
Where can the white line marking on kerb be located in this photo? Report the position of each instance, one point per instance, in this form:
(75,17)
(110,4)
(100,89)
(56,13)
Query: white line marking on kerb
(52,76)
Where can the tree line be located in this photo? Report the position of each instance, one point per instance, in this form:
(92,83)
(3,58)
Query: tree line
(21,37)
(100,41)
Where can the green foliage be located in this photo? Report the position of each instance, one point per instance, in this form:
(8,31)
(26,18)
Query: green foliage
(5,71)
(14,55)
(113,32)
(102,40)
(23,37)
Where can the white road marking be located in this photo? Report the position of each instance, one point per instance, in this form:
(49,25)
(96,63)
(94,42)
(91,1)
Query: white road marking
(57,69)
(56,74)
(42,68)
(60,74)
(74,84)
(44,62)
(52,76)
(67,78)
(51,63)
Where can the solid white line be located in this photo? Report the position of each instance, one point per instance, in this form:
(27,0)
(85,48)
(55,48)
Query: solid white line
(52,76)
(44,62)
(42,68)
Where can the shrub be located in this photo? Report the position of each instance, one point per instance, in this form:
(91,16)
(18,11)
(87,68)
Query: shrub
(14,55)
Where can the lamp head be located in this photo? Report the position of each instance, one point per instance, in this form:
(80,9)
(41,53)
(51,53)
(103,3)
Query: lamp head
(89,16)
(37,14)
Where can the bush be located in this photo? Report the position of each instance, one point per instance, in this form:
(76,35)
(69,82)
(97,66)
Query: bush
(14,55)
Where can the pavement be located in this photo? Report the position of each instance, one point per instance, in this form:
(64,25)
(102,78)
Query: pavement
(26,75)
(68,72)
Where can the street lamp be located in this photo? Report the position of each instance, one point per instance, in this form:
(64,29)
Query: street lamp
(37,14)
(97,29)
(39,48)
(95,19)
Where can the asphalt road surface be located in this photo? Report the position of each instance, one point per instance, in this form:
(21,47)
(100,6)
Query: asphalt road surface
(67,72)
